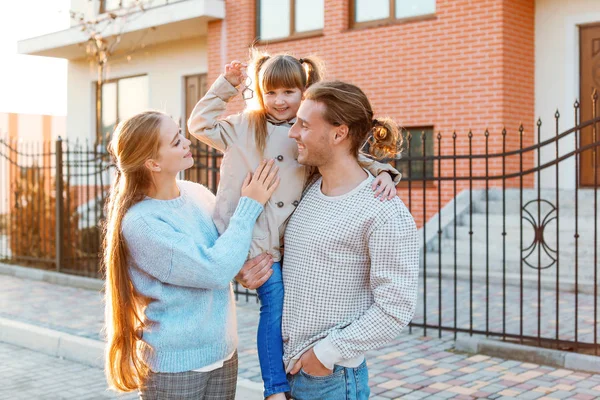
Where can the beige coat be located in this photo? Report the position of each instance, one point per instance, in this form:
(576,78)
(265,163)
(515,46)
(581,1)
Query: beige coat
(235,138)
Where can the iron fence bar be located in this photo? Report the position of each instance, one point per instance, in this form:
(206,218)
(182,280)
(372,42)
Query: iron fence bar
(595,167)
(40,198)
(23,176)
(487,236)
(75,190)
(504,235)
(97,197)
(521,224)
(576,226)
(88,201)
(59,205)
(17,207)
(409,138)
(454,222)
(7,214)
(43,195)
(539,247)
(101,178)
(439,174)
(556,153)
(67,193)
(424,177)
(214,170)
(470,234)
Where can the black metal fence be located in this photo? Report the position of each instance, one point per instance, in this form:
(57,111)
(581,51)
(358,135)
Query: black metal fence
(52,200)
(509,236)
(510,246)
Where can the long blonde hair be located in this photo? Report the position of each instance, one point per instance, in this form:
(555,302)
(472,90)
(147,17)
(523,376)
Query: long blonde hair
(135,140)
(274,72)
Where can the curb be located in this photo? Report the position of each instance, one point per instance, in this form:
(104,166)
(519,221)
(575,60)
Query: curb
(53,277)
(53,343)
(536,355)
(78,349)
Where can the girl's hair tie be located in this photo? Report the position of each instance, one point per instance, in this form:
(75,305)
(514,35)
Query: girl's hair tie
(379,131)
(301,60)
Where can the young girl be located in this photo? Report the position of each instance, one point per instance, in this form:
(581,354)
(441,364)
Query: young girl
(170,311)
(246,139)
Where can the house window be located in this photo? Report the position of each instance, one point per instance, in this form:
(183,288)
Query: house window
(278,19)
(112,5)
(415,169)
(365,12)
(121,99)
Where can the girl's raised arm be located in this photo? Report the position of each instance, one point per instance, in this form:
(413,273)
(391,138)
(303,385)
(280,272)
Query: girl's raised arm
(204,123)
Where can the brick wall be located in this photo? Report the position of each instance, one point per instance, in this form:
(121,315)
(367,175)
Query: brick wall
(471,67)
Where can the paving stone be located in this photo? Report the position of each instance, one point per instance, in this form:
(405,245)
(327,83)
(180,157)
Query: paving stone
(561,394)
(530,395)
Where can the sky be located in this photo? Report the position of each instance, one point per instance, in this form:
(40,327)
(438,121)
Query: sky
(31,84)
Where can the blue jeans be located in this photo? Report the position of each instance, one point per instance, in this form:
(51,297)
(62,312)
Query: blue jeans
(343,384)
(269,341)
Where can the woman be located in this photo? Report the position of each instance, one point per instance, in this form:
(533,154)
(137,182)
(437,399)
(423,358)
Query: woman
(170,312)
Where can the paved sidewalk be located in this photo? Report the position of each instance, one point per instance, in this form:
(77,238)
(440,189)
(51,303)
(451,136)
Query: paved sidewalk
(411,367)
(25,374)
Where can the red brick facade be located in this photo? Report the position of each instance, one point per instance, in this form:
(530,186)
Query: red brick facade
(470,67)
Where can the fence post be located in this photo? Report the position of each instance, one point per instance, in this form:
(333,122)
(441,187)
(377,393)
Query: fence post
(59,204)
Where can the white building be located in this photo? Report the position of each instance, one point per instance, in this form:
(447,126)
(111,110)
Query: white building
(160,62)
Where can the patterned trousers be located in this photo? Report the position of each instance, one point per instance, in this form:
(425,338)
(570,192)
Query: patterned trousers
(219,384)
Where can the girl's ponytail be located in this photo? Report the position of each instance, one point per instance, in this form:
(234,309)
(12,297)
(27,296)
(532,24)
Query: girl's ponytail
(386,139)
(314,68)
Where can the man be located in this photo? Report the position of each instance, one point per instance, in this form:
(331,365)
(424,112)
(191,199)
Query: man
(350,268)
(351,264)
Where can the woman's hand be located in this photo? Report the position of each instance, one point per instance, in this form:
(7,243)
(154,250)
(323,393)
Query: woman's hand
(383,186)
(235,72)
(263,183)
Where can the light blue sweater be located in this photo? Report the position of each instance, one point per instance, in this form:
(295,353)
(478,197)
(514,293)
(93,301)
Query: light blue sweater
(180,263)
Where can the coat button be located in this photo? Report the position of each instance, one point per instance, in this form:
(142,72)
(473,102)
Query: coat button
(279,158)
(280,204)
(295,203)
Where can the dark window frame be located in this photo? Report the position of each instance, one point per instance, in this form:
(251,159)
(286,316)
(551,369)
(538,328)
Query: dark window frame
(385,21)
(430,151)
(99,133)
(293,34)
